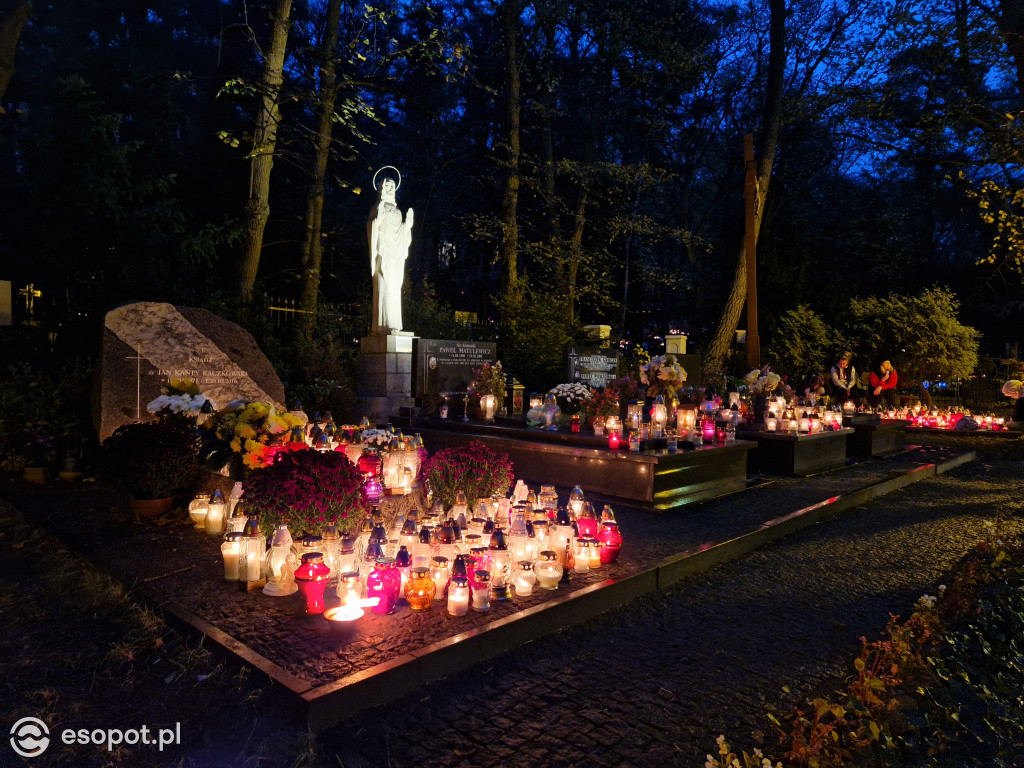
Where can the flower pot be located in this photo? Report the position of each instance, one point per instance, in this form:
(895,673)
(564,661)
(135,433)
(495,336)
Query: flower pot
(36,474)
(150,509)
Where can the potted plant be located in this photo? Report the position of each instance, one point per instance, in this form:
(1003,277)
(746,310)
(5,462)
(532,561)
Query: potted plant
(33,450)
(151,462)
(307,489)
(473,468)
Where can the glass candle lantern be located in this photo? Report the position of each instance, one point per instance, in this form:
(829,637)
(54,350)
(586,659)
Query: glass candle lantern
(659,416)
(609,541)
(311,578)
(384,583)
(607,514)
(331,549)
(586,521)
(423,550)
(230,550)
(574,423)
(279,564)
(595,553)
(236,521)
(525,578)
(481,592)
(634,441)
(350,589)
(475,526)
(501,566)
(613,440)
(730,433)
(582,554)
(804,423)
(612,424)
(403,562)
(460,505)
(548,570)
(214,522)
(197,510)
(347,554)
(458,596)
(440,572)
(410,535)
(707,429)
(541,531)
(576,500)
(635,414)
(420,589)
(252,551)
(771,423)
(488,404)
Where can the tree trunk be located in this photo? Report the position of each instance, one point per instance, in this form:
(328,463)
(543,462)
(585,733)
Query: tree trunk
(510,200)
(1011,28)
(575,253)
(720,343)
(312,249)
(257,208)
(11,26)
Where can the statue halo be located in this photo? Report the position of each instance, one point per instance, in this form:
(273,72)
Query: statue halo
(399,184)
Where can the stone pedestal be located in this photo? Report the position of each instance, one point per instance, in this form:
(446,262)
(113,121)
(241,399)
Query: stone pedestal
(384,373)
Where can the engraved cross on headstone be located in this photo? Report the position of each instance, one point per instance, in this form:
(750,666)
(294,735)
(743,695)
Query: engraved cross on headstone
(138,358)
(573,357)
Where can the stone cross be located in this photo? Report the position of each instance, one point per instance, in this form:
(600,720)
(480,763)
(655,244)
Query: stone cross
(31,293)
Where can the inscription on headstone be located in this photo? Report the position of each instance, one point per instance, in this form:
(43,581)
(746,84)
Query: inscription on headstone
(593,366)
(147,344)
(445,368)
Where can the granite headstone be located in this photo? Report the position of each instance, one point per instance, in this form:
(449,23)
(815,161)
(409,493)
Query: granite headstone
(592,366)
(146,344)
(445,368)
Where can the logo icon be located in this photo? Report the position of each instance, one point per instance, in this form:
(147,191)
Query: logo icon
(30,737)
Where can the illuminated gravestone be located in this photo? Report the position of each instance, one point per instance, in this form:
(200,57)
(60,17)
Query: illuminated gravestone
(593,366)
(146,344)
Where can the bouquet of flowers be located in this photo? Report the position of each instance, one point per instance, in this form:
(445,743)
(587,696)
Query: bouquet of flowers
(762,381)
(252,428)
(307,489)
(473,468)
(490,380)
(375,438)
(663,376)
(181,397)
(571,397)
(602,403)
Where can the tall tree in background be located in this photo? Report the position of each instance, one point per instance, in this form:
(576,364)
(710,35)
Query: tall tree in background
(12,22)
(511,289)
(312,248)
(718,348)
(257,208)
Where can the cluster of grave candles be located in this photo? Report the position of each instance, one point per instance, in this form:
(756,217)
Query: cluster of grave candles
(466,559)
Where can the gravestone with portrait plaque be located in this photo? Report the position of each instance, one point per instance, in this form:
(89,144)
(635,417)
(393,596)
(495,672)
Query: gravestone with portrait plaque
(444,369)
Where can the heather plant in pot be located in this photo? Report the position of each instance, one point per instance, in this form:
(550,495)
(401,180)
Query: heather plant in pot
(152,460)
(474,468)
(307,489)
